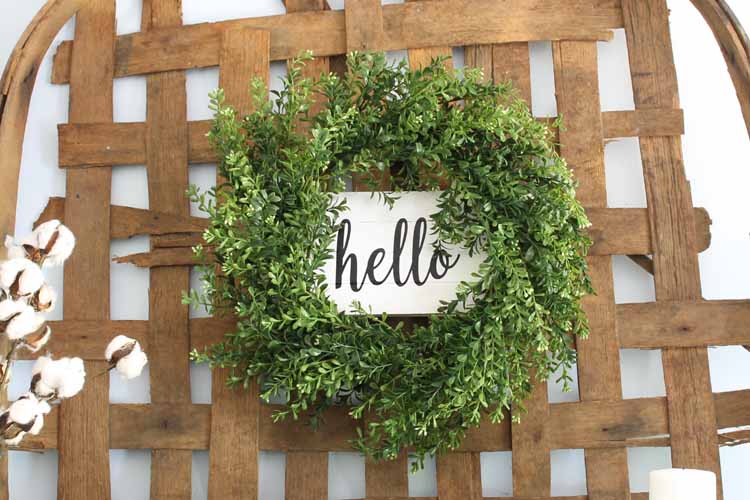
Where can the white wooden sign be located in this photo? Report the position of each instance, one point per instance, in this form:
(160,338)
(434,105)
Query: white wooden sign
(384,258)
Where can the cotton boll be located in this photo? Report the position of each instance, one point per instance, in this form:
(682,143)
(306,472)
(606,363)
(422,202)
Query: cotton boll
(126,356)
(62,247)
(119,343)
(38,424)
(9,308)
(16,440)
(35,342)
(73,379)
(24,409)
(45,299)
(43,233)
(14,250)
(9,271)
(55,241)
(21,276)
(62,378)
(38,386)
(24,323)
(132,365)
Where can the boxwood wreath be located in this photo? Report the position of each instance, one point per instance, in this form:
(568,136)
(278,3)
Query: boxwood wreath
(510,197)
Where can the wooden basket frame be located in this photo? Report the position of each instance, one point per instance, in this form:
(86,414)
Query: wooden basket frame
(235,427)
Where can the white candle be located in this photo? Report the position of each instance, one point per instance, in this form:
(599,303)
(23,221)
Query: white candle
(682,484)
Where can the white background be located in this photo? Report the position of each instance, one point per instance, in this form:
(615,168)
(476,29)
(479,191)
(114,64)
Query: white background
(716,154)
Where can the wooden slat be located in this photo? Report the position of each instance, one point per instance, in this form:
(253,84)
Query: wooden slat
(126,222)
(459,476)
(582,145)
(83,472)
(406,26)
(169,338)
(643,123)
(364,25)
(615,231)
(510,62)
(593,424)
(306,474)
(531,456)
(692,420)
(233,454)
(91,145)
(658,325)
(651,325)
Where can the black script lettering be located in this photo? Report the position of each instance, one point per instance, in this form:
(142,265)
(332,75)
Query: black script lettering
(440,262)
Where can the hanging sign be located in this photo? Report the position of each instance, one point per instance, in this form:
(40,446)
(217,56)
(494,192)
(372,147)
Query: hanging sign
(383,257)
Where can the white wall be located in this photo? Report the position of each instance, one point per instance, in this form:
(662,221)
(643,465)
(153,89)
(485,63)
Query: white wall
(716,150)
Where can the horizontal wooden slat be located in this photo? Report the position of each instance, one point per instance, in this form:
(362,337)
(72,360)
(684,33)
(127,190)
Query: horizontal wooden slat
(406,26)
(601,424)
(88,339)
(126,222)
(655,325)
(643,123)
(615,231)
(91,145)
(651,325)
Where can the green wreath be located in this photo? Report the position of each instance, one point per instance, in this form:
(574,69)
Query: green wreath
(510,197)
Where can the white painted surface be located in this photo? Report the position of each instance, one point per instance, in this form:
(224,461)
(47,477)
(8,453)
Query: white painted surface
(375,266)
(716,155)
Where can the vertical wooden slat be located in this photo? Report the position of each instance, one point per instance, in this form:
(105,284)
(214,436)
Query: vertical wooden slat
(480,56)
(83,435)
(530,450)
(459,476)
(306,476)
(692,419)
(582,145)
(169,338)
(364,25)
(510,62)
(233,452)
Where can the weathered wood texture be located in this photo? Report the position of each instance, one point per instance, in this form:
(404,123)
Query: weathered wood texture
(91,145)
(169,338)
(692,421)
(410,25)
(233,452)
(236,426)
(83,428)
(306,474)
(594,425)
(577,89)
(531,454)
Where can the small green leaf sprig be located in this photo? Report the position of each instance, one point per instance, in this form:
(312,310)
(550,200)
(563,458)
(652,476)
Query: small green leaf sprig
(510,197)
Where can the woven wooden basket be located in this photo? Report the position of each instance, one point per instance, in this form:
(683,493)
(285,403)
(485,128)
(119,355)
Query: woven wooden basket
(236,426)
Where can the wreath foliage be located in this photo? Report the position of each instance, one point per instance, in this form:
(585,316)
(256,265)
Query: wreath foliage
(511,197)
